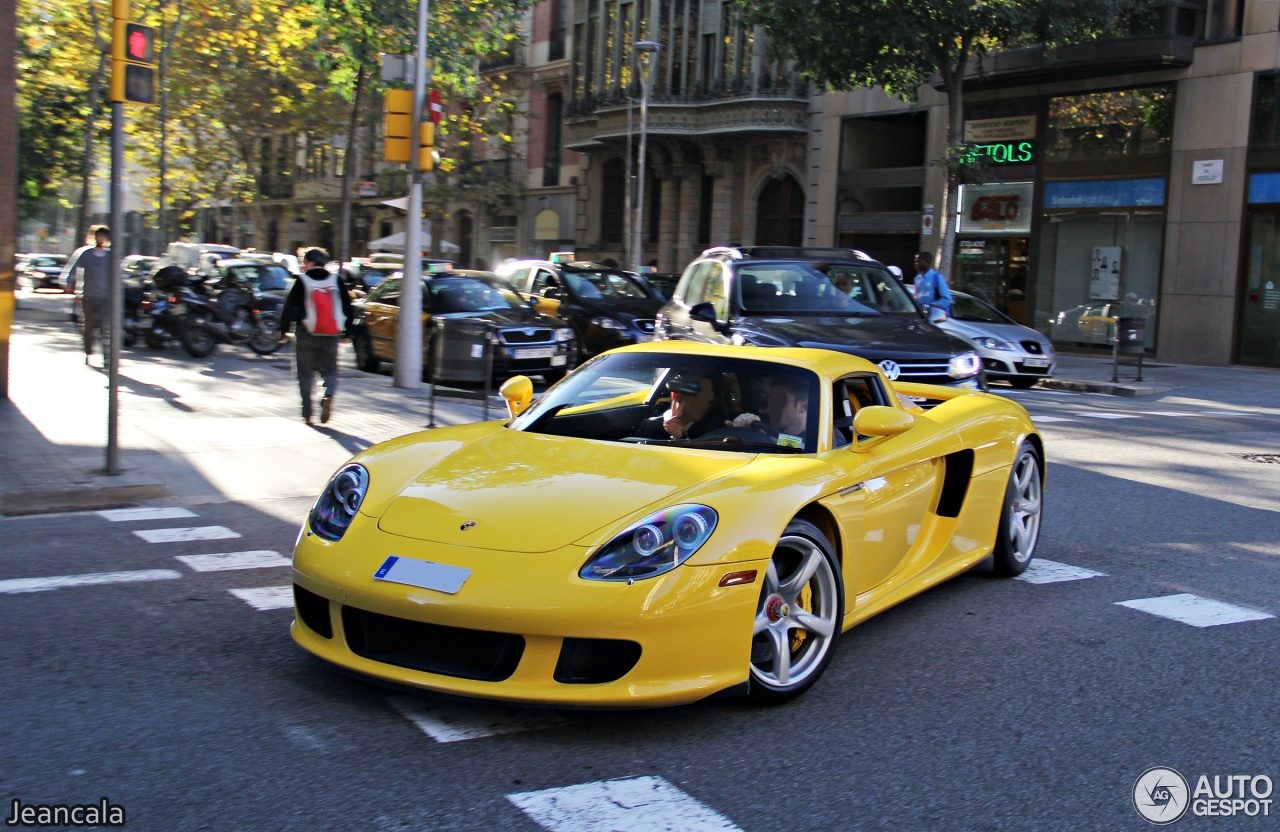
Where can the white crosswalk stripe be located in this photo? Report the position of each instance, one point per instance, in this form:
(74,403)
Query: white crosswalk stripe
(266,597)
(1110,416)
(185,535)
(1048,419)
(1042,571)
(1195,610)
(224,561)
(16,586)
(449,722)
(636,804)
(126,515)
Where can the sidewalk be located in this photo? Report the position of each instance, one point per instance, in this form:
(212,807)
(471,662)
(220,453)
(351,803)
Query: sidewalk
(183,440)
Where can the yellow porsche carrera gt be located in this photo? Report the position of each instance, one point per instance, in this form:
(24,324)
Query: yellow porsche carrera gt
(671,521)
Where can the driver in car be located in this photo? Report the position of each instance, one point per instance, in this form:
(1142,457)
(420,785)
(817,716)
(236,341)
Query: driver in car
(690,413)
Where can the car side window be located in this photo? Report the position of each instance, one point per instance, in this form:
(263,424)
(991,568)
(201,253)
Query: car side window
(713,291)
(542,281)
(851,394)
(693,292)
(387,292)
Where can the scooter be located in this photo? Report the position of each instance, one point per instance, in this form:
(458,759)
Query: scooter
(232,315)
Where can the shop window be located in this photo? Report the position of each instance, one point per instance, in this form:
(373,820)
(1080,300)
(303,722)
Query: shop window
(1110,125)
(1266,112)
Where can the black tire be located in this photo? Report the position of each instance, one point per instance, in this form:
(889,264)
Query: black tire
(1022,382)
(363,347)
(197,342)
(155,342)
(808,616)
(129,338)
(1019,528)
(264,340)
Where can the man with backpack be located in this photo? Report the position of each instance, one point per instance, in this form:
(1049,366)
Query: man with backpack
(321,306)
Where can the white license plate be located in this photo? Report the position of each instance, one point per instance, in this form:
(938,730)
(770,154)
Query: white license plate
(559,360)
(535,352)
(1036,362)
(422,573)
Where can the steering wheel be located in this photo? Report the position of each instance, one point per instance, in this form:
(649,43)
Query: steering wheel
(755,432)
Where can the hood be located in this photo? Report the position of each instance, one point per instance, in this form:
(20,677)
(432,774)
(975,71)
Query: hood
(627,309)
(871,337)
(527,492)
(517,316)
(1013,333)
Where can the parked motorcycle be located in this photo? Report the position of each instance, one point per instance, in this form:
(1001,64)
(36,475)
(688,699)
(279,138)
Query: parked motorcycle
(233,314)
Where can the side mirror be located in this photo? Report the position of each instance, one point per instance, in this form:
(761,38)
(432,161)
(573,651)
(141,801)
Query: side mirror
(936,315)
(551,293)
(706,313)
(878,420)
(518,392)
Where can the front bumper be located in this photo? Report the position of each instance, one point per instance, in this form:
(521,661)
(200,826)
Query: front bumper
(1017,364)
(524,627)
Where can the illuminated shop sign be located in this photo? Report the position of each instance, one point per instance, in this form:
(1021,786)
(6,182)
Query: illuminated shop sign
(1002,153)
(1002,208)
(1264,188)
(1105,193)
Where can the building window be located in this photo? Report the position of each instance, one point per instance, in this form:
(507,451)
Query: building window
(554,140)
(613,185)
(1110,125)
(1266,112)
(555,43)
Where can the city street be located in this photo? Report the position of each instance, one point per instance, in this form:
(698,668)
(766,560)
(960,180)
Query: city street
(148,659)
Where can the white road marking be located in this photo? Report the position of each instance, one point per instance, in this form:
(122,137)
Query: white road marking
(1171,413)
(16,586)
(123,515)
(1048,419)
(1050,572)
(266,597)
(635,804)
(1110,416)
(448,722)
(186,535)
(1194,610)
(221,562)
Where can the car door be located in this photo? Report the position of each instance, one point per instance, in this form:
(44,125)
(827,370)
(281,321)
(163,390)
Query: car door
(542,280)
(381,309)
(887,493)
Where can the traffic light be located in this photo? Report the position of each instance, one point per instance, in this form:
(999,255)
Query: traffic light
(426,146)
(397,118)
(133,55)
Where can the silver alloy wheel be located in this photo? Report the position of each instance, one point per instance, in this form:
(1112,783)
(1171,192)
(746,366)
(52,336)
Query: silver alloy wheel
(775,661)
(1024,509)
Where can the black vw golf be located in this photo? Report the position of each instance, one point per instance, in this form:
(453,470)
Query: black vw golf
(829,298)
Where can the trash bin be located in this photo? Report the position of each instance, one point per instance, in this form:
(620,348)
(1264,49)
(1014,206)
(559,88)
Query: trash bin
(461,350)
(1131,336)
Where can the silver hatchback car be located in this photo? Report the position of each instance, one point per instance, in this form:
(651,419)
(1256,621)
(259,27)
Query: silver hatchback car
(1010,351)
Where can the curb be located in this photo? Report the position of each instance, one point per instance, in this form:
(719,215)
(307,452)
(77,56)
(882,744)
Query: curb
(13,503)
(1108,387)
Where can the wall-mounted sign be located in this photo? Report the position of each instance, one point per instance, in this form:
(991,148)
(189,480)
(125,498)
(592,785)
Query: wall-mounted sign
(926,220)
(1264,188)
(1104,193)
(1206,172)
(1001,208)
(1003,153)
(1009,128)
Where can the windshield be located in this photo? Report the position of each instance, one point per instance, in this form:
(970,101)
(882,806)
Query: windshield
(462,294)
(594,285)
(727,404)
(969,308)
(48,262)
(837,288)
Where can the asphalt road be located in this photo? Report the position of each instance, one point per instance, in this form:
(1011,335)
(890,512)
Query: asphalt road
(984,704)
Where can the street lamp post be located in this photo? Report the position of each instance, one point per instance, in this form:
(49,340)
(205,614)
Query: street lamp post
(645,52)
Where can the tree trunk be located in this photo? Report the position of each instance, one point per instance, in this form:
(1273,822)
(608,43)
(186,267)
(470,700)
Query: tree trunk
(166,44)
(955,137)
(86,167)
(343,253)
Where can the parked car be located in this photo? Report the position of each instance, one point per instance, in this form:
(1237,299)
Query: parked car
(1010,351)
(565,557)
(42,271)
(462,304)
(138,265)
(662,283)
(606,307)
(838,299)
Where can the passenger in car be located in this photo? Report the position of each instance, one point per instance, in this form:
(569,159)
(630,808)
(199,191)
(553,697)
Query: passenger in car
(690,414)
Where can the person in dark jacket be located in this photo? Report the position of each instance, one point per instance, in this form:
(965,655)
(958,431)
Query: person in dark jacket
(320,305)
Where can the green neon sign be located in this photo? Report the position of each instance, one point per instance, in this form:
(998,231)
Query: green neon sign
(1002,153)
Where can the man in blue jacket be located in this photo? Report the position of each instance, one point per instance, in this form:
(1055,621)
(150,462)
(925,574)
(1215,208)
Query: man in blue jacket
(931,286)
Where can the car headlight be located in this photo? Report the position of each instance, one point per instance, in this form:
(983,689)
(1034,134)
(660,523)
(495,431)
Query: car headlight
(656,545)
(332,514)
(564,334)
(609,323)
(986,342)
(964,365)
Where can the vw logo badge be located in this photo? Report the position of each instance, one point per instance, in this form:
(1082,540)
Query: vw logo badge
(891,369)
(530,332)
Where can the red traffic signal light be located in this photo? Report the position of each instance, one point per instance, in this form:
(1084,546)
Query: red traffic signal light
(133,54)
(133,42)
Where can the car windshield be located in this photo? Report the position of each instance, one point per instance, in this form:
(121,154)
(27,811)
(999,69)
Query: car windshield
(968,308)
(463,294)
(595,285)
(47,262)
(821,288)
(684,401)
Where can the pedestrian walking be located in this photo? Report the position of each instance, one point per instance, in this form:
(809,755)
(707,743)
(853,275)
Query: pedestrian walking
(931,287)
(90,269)
(321,306)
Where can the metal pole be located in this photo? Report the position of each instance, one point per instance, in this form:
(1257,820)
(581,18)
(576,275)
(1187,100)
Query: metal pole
(112,341)
(646,50)
(408,370)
